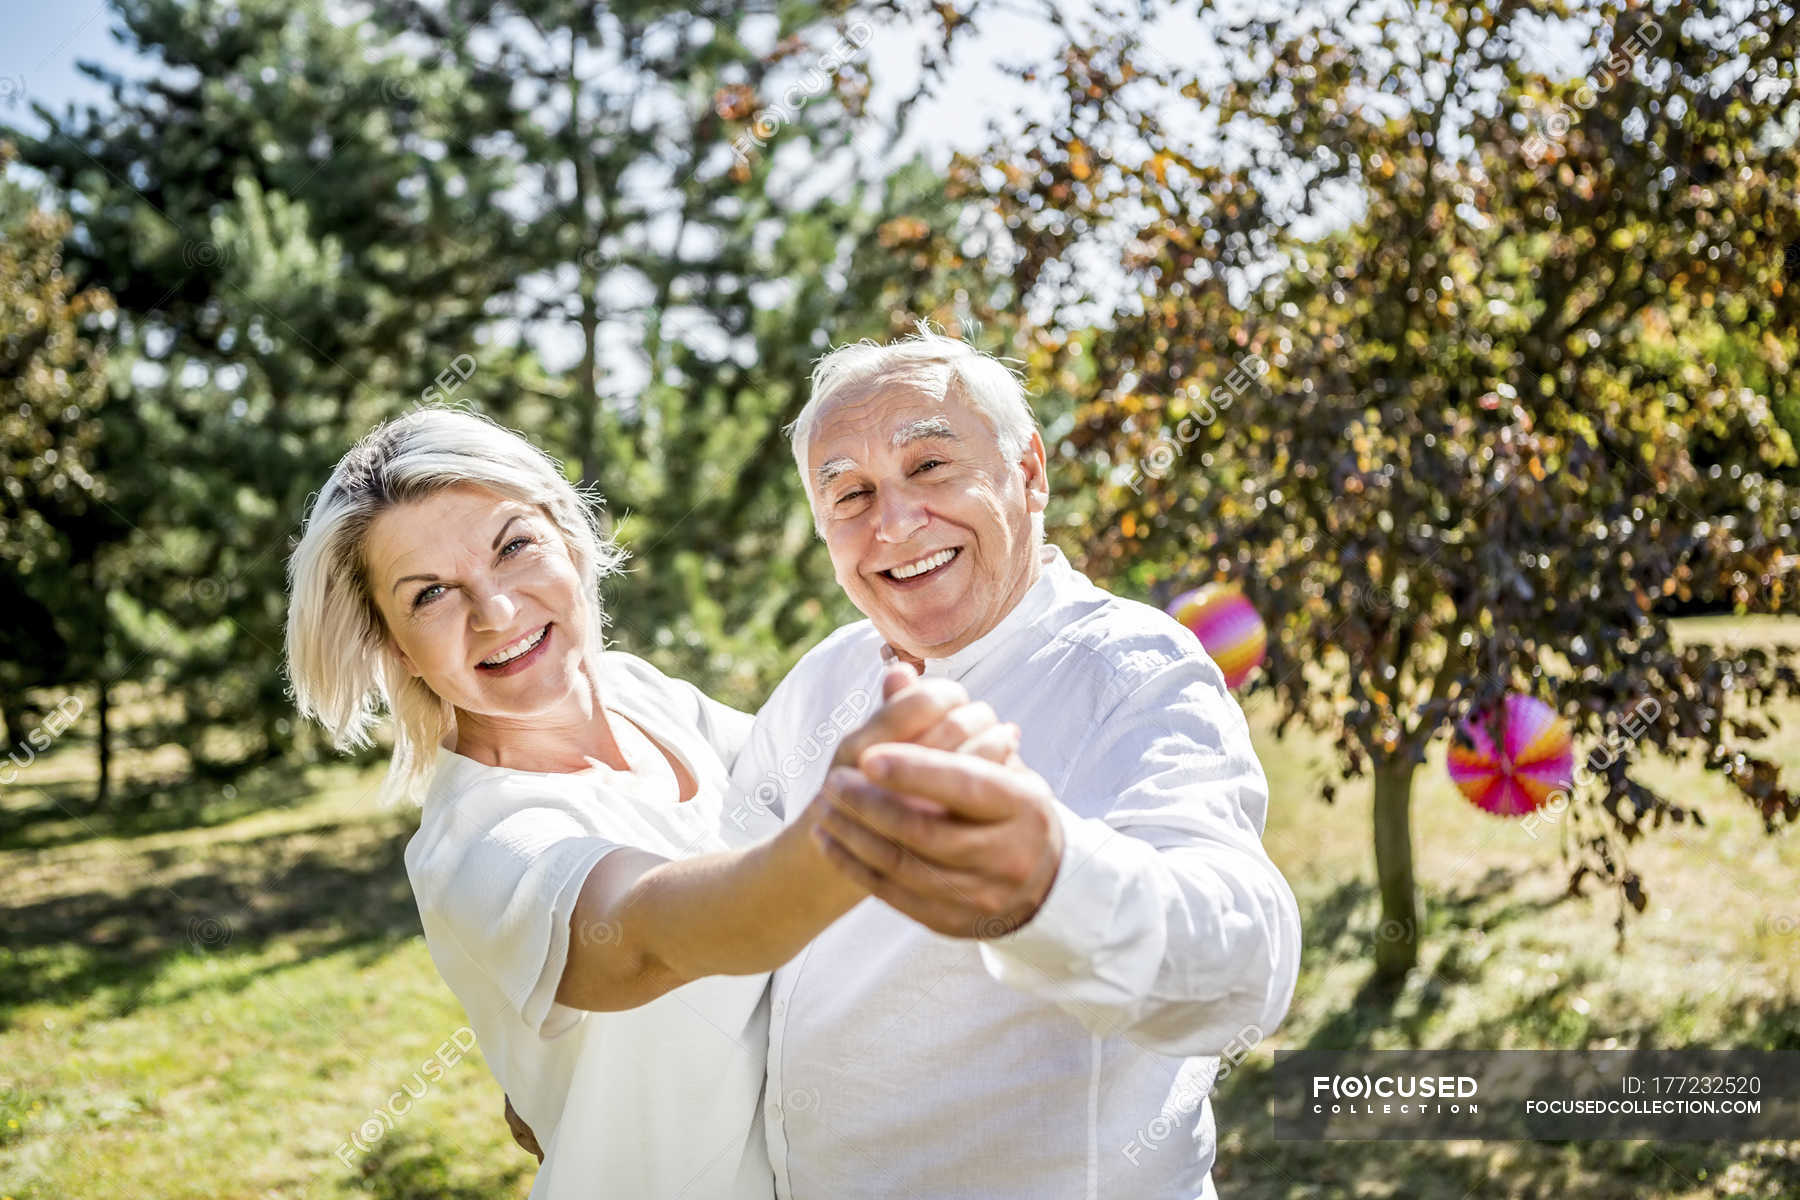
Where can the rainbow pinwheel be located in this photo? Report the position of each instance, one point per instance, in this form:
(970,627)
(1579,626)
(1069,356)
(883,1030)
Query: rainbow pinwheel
(1536,758)
(1228,627)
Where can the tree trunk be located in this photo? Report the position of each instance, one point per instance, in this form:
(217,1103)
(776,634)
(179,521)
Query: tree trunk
(103,737)
(1397,938)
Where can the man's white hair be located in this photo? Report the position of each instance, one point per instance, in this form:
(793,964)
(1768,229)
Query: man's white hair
(927,363)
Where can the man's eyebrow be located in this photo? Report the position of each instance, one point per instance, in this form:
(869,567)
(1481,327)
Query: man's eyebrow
(824,476)
(928,427)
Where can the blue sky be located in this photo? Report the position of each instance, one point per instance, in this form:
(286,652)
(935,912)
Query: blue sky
(42,43)
(44,40)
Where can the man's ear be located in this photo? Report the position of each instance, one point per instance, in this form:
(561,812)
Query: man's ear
(1037,476)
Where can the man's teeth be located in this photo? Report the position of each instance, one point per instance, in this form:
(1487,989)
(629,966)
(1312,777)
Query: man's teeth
(923,565)
(523,646)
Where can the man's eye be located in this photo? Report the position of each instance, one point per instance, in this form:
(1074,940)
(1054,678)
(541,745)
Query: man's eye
(927,465)
(849,496)
(427,595)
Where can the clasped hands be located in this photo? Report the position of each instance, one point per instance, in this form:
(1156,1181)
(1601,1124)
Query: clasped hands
(929,808)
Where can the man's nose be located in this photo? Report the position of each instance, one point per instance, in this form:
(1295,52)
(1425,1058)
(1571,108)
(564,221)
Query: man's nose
(493,609)
(900,515)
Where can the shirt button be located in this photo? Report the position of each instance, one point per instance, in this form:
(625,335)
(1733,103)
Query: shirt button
(779,1007)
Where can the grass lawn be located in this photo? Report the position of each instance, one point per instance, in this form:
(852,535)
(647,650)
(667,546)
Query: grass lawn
(217,1001)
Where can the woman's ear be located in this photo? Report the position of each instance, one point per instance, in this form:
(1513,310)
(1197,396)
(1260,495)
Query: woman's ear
(407,662)
(399,656)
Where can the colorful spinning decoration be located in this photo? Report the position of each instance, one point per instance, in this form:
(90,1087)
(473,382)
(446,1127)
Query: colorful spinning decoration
(1228,627)
(1535,760)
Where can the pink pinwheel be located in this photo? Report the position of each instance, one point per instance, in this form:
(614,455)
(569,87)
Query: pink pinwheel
(1535,760)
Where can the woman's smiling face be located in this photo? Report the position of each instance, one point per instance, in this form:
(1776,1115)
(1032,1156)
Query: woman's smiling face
(481,599)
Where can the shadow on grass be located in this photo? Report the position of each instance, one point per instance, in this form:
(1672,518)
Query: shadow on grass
(407,1167)
(46,815)
(1339,926)
(330,887)
(1252,1165)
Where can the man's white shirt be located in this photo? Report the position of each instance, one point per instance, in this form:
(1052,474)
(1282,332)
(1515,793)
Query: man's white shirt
(1074,1056)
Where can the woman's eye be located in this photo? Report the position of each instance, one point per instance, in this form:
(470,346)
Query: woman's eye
(427,595)
(518,541)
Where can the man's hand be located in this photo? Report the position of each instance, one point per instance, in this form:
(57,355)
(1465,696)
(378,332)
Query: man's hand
(522,1132)
(966,846)
(929,712)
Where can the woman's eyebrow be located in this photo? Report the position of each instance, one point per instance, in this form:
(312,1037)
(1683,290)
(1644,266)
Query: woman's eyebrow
(433,578)
(502,534)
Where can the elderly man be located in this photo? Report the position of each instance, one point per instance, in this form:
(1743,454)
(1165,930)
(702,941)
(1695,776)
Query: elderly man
(1058,951)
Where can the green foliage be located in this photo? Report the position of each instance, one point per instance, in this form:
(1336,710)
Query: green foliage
(55,521)
(574,217)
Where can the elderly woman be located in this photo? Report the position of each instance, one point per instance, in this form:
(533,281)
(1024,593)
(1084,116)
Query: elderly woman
(608,934)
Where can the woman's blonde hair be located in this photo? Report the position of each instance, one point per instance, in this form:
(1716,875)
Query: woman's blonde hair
(342,664)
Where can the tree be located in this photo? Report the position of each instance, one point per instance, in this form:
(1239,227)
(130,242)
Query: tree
(1410,350)
(313,219)
(290,259)
(55,522)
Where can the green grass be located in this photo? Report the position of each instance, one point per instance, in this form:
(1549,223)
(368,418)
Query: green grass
(212,1001)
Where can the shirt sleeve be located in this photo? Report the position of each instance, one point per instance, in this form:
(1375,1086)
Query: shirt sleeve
(502,882)
(1167,922)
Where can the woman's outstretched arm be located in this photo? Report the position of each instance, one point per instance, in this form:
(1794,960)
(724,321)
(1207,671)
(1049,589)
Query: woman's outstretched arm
(644,925)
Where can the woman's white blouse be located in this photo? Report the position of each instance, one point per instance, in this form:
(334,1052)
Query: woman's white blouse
(663,1100)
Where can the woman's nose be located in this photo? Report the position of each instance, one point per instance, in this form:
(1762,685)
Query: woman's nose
(494,610)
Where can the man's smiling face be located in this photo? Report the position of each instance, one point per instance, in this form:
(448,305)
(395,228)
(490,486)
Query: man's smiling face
(929,527)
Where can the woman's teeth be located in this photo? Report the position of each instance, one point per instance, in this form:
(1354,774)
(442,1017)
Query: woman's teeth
(523,646)
(923,565)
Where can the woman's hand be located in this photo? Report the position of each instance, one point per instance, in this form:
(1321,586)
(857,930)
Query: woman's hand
(743,912)
(522,1132)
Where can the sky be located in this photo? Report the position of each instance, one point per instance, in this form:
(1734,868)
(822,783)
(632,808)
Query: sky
(38,53)
(45,38)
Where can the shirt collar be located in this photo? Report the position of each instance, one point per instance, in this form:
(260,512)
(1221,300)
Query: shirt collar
(1053,569)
